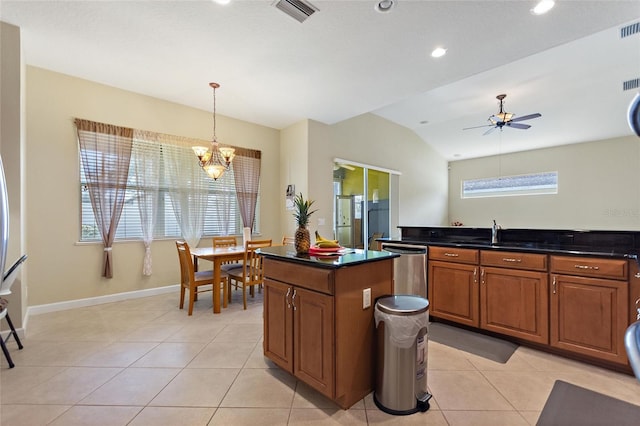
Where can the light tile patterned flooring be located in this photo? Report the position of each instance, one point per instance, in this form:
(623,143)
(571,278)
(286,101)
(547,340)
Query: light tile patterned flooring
(145,362)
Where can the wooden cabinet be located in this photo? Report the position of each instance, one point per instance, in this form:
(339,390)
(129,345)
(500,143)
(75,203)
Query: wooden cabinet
(316,328)
(589,308)
(453,285)
(514,294)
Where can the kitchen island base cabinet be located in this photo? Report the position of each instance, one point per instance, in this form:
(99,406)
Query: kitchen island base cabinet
(315,326)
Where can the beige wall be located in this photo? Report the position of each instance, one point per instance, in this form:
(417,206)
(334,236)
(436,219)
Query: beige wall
(597,188)
(420,192)
(60,269)
(294,163)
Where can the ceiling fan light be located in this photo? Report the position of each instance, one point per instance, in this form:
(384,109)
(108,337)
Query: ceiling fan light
(543,7)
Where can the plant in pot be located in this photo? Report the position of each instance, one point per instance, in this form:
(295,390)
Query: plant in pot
(302,212)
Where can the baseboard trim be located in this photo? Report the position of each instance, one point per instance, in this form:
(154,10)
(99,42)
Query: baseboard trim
(99,300)
(91,301)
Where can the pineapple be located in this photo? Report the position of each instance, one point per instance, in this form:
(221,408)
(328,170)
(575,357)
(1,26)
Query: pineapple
(302,212)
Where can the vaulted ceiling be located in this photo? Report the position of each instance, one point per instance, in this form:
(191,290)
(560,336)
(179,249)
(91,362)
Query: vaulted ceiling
(347,59)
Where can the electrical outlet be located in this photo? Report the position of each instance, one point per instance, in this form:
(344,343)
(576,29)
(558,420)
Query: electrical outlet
(366,298)
(321,221)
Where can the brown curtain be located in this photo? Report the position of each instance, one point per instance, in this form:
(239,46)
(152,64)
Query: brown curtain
(106,152)
(246,172)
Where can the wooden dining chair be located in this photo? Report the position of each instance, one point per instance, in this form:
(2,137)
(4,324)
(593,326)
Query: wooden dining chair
(192,281)
(226,241)
(251,273)
(288,240)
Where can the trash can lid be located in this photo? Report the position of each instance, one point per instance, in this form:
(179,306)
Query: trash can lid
(402,305)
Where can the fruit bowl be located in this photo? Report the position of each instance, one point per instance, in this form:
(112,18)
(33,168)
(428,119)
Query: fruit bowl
(324,250)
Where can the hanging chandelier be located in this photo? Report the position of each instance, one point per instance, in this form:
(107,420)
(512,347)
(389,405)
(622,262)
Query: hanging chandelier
(216,159)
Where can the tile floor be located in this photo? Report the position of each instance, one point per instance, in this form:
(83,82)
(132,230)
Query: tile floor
(145,362)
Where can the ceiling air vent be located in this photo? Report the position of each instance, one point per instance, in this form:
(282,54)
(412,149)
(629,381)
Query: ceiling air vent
(630,30)
(299,10)
(631,84)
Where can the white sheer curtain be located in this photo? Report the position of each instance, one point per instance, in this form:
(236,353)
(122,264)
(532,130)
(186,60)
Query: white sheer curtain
(189,193)
(225,200)
(146,166)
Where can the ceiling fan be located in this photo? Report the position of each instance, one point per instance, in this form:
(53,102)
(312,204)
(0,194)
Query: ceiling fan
(502,118)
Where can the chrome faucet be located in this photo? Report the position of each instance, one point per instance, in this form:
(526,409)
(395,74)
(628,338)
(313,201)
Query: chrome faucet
(494,233)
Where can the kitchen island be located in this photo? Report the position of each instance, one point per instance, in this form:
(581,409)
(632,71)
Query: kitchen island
(318,317)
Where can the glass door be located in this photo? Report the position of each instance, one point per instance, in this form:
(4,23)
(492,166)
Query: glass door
(361,209)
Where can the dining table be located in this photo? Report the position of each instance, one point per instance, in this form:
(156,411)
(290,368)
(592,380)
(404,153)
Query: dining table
(218,256)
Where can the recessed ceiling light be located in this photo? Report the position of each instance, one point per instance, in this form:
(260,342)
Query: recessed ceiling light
(543,7)
(438,52)
(222,1)
(384,5)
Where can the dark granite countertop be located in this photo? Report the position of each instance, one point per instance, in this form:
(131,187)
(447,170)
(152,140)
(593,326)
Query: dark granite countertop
(350,257)
(615,244)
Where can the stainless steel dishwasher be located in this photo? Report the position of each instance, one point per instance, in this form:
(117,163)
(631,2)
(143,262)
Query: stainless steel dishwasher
(410,269)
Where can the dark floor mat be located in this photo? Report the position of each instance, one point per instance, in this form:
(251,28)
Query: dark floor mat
(572,405)
(478,344)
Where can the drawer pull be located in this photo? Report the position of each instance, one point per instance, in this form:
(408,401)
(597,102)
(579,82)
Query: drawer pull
(293,300)
(554,284)
(287,298)
(595,268)
(475,275)
(452,254)
(511,259)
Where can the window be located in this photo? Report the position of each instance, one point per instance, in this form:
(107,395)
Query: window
(530,184)
(222,212)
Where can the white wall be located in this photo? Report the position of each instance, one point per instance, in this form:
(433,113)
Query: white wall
(597,188)
(59,268)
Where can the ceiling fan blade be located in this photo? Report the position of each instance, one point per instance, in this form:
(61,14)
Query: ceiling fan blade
(518,125)
(477,127)
(490,130)
(526,117)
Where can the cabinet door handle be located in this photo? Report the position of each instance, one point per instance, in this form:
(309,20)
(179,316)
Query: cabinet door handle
(451,254)
(293,300)
(554,284)
(482,275)
(475,275)
(595,268)
(287,298)
(511,259)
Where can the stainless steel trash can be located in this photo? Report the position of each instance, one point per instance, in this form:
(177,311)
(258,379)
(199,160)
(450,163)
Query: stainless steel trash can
(401,374)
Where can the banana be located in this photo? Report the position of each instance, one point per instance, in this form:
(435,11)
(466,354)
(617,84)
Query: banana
(325,243)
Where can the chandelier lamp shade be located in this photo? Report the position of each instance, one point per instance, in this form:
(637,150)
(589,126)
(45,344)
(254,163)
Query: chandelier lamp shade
(216,159)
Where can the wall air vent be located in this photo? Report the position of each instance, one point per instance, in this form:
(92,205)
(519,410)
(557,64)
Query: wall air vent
(630,30)
(634,83)
(299,10)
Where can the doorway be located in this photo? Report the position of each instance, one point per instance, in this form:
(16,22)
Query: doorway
(361,211)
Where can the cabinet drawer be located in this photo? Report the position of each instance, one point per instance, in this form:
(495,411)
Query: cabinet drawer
(590,267)
(452,254)
(515,260)
(317,279)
